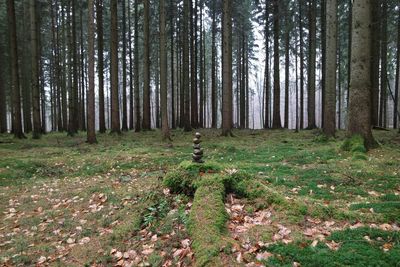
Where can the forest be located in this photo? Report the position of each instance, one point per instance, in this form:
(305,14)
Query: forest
(199,133)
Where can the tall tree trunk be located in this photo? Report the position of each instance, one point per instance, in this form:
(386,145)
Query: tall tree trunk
(214,107)
(15,89)
(360,83)
(26,72)
(91,131)
(266,70)
(172,29)
(185,70)
(138,122)
(193,65)
(323,59)
(82,114)
(276,122)
(311,64)
(131,107)
(330,76)
(242,77)
(163,73)
(3,102)
(100,64)
(64,59)
(35,73)
(376,32)
(146,68)
(287,62)
(396,92)
(301,65)
(124,75)
(383,104)
(73,105)
(115,118)
(227,68)
(201,60)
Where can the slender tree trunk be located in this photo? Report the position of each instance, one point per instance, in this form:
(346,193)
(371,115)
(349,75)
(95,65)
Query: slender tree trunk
(311,65)
(301,65)
(201,82)
(163,73)
(227,68)
(172,29)
(35,73)
(287,62)
(266,70)
(185,70)
(64,59)
(193,65)
(131,107)
(91,131)
(376,32)
(323,59)
(214,107)
(15,89)
(115,118)
(3,102)
(146,68)
(124,75)
(360,83)
(276,122)
(138,122)
(396,92)
(383,104)
(330,76)
(100,64)
(83,68)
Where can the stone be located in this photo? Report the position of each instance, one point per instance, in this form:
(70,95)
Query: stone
(197,151)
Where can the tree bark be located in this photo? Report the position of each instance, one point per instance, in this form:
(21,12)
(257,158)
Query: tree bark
(330,75)
(301,65)
(383,98)
(35,73)
(163,73)
(227,68)
(138,122)
(91,131)
(115,118)
(214,107)
(100,64)
(15,89)
(396,91)
(276,122)
(146,68)
(360,82)
(376,32)
(185,67)
(287,62)
(266,70)
(311,65)
(3,102)
(124,75)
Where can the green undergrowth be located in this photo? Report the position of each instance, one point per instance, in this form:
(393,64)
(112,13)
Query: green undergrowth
(357,247)
(207,222)
(355,145)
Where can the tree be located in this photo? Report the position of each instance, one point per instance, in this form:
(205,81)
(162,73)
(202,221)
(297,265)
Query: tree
(146,68)
(360,77)
(3,102)
(115,118)
(37,127)
(276,121)
(383,97)
(138,122)
(311,64)
(214,67)
(227,68)
(100,64)
(124,75)
(163,73)
(396,90)
(330,75)
(185,70)
(91,131)
(15,89)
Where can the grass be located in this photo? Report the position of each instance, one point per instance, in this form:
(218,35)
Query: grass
(52,184)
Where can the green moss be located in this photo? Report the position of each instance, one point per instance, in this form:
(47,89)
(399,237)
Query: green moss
(354,144)
(180,181)
(207,221)
(354,250)
(207,167)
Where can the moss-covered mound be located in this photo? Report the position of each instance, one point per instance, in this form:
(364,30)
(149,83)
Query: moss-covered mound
(356,146)
(207,221)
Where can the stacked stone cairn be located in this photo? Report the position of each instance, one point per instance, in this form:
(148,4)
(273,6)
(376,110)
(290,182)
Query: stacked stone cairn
(197,151)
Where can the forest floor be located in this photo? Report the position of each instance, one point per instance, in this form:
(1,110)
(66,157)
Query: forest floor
(66,203)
